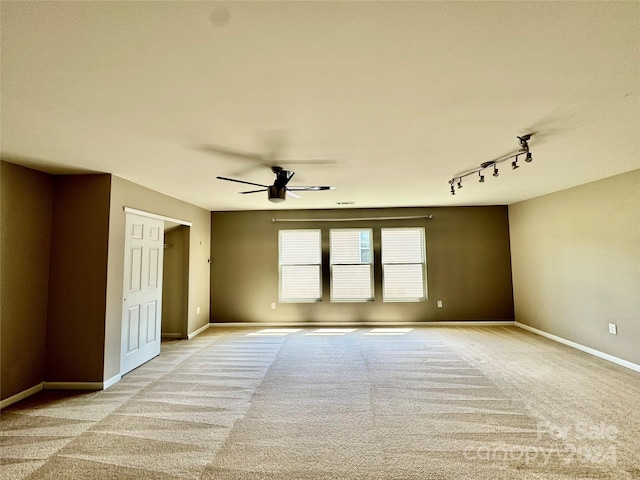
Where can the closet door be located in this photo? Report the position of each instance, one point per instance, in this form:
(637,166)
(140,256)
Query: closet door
(142,291)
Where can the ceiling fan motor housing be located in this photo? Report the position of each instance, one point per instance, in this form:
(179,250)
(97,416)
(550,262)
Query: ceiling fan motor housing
(277,194)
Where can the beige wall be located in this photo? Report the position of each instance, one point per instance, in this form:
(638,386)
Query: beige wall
(127,194)
(62,261)
(26,210)
(78,278)
(468,267)
(576,264)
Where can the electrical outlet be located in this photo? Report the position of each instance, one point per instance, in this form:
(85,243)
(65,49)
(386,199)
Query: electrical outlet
(613,329)
(273,305)
(439,303)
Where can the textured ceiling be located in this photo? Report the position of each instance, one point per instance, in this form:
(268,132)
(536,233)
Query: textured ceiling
(385,100)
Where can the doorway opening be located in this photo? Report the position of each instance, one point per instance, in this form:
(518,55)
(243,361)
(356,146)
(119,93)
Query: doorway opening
(175,286)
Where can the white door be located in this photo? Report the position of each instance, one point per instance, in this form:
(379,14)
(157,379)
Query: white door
(142,291)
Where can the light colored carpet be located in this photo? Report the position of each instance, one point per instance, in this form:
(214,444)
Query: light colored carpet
(429,403)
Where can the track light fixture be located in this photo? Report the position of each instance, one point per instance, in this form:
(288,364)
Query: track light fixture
(523,143)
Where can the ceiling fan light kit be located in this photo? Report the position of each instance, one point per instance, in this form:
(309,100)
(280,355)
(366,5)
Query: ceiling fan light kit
(523,150)
(277,195)
(279,191)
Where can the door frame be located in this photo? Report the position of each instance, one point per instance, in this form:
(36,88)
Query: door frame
(164,218)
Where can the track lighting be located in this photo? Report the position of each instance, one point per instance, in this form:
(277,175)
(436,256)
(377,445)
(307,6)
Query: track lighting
(523,150)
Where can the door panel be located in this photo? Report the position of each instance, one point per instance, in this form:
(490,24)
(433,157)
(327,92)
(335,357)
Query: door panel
(152,319)
(137,230)
(132,327)
(142,287)
(136,270)
(154,255)
(154,232)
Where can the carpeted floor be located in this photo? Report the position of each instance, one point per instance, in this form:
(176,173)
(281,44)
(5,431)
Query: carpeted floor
(423,403)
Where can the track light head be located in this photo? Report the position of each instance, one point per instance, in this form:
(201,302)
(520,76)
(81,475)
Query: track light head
(453,189)
(481,180)
(528,158)
(459,183)
(524,146)
(514,164)
(495,171)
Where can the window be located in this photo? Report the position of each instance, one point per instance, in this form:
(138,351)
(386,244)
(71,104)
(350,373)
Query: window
(300,259)
(351,265)
(403,264)
(401,254)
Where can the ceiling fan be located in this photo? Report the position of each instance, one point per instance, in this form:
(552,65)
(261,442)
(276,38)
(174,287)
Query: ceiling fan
(279,190)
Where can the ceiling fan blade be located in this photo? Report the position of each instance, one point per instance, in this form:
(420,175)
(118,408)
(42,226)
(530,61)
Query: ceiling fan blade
(242,181)
(293,194)
(301,161)
(255,191)
(263,159)
(230,152)
(311,188)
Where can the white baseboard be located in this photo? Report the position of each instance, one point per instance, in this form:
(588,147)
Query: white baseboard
(21,395)
(112,381)
(449,323)
(592,351)
(199,331)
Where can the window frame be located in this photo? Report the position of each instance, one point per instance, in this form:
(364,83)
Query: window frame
(423,264)
(370,264)
(283,299)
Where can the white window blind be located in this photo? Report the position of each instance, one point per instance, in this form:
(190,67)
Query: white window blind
(300,260)
(403,264)
(351,265)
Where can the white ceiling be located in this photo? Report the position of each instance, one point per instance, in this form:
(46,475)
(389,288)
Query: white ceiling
(399,96)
